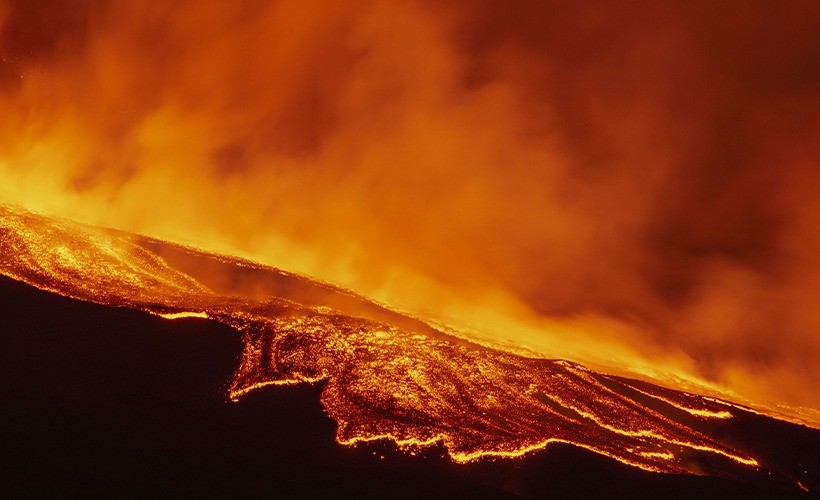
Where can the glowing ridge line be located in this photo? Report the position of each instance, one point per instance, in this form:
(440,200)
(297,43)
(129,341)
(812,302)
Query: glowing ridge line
(723,414)
(463,457)
(650,433)
(178,315)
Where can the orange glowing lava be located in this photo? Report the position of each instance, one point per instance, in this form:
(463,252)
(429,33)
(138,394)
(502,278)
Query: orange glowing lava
(386,376)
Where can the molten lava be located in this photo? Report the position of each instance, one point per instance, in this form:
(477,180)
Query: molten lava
(386,376)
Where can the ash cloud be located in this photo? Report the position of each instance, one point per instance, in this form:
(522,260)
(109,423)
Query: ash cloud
(652,165)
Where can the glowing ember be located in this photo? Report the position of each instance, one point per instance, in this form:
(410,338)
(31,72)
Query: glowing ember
(414,386)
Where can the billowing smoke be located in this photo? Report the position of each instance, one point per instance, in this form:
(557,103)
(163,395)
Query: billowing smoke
(633,180)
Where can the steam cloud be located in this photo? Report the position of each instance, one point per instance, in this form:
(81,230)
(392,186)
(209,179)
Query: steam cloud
(646,165)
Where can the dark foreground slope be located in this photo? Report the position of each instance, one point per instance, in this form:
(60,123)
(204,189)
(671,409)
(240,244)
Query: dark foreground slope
(115,401)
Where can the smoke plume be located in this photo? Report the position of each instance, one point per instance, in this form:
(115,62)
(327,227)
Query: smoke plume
(632,182)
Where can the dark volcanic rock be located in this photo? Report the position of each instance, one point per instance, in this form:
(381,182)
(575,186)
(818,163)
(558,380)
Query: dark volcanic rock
(118,402)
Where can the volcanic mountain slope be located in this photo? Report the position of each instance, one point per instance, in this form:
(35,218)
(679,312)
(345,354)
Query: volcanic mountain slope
(386,376)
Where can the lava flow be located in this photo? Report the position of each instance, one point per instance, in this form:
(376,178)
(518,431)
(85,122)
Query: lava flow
(387,376)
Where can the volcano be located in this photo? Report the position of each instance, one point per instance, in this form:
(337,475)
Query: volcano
(141,351)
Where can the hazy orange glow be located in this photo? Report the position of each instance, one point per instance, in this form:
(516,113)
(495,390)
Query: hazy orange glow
(633,188)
